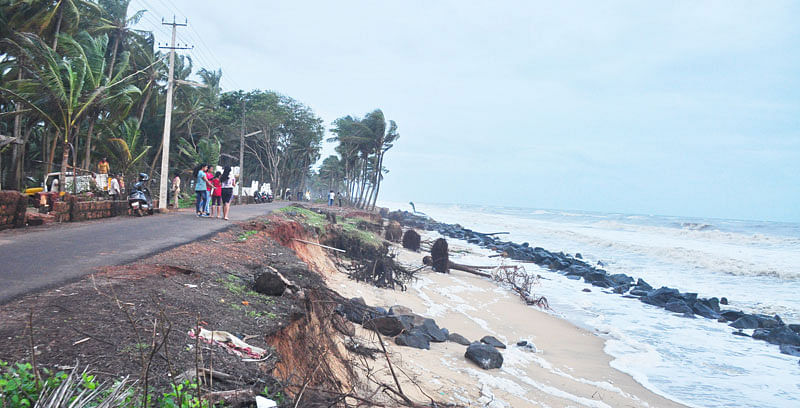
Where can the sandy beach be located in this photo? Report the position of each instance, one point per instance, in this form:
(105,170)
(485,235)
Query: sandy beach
(568,368)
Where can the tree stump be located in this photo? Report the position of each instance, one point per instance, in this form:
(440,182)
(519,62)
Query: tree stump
(394,232)
(411,240)
(440,256)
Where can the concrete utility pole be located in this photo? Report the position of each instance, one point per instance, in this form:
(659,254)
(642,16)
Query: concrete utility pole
(162,190)
(241,159)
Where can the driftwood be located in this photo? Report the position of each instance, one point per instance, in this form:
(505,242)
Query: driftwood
(319,245)
(427,260)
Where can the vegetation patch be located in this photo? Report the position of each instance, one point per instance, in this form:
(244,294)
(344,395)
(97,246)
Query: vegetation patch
(306,216)
(247,234)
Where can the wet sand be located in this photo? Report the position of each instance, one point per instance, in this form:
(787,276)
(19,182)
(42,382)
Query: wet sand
(568,369)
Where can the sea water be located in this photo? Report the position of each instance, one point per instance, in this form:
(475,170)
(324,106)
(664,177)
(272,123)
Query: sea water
(698,362)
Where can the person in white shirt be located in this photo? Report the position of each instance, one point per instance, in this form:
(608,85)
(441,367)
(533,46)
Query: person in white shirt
(113,188)
(331,196)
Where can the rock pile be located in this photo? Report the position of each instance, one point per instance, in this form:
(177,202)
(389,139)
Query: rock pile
(767,328)
(412,330)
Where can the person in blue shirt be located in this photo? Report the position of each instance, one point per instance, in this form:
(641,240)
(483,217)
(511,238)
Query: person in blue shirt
(200,190)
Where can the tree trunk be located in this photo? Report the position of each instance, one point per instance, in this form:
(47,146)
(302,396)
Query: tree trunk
(378,181)
(75,159)
(58,29)
(20,168)
(17,157)
(87,159)
(64,159)
(52,156)
(113,56)
(143,107)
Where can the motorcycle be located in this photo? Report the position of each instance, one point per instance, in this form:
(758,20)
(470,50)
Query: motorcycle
(139,199)
(262,197)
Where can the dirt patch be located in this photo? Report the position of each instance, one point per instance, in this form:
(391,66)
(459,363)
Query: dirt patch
(110,320)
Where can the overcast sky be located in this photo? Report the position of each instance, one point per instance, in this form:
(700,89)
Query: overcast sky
(674,108)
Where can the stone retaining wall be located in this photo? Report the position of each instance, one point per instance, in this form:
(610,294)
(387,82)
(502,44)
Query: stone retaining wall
(12,209)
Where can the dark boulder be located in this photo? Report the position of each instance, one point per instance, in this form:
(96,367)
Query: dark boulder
(731,315)
(578,255)
(526,345)
(642,285)
(768,322)
(457,338)
(573,277)
(712,304)
(432,330)
(745,322)
(639,292)
(356,310)
(778,335)
(723,301)
(595,276)
(689,298)
(660,297)
(490,340)
(386,325)
(678,306)
(586,290)
(790,350)
(621,279)
(399,310)
(485,356)
(621,288)
(702,309)
(270,283)
(795,328)
(740,333)
(414,339)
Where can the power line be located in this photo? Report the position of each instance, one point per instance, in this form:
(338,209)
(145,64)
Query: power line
(205,54)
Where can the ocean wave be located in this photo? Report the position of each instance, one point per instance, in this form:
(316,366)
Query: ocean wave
(696,226)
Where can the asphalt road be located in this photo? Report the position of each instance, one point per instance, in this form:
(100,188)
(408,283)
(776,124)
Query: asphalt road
(41,258)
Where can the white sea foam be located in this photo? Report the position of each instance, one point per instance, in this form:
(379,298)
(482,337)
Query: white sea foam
(694,361)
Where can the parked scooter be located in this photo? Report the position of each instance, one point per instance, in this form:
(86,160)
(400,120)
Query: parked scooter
(139,199)
(262,197)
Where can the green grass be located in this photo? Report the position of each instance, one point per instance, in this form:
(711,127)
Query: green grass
(350,226)
(186,201)
(309,217)
(247,234)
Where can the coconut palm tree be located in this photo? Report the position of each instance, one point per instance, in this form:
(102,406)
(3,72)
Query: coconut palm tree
(56,86)
(126,148)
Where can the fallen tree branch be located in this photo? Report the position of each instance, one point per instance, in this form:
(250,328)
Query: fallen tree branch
(319,245)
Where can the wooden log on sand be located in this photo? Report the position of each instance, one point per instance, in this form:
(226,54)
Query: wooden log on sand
(427,260)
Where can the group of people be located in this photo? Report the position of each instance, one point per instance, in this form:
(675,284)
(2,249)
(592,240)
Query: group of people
(332,196)
(213,191)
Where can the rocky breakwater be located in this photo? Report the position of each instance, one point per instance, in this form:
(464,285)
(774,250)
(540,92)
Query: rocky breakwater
(412,330)
(767,328)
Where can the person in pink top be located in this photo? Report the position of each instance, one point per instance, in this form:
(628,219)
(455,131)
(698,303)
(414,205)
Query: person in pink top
(216,195)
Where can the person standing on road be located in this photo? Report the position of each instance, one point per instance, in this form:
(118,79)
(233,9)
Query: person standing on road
(331,196)
(201,194)
(216,196)
(228,183)
(209,187)
(113,188)
(176,190)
